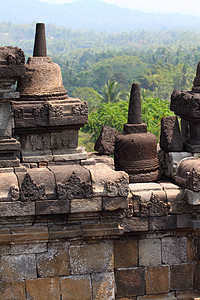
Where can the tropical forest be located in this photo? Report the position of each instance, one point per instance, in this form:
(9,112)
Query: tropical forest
(99,67)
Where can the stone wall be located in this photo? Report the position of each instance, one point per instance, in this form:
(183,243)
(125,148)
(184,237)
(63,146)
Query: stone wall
(138,246)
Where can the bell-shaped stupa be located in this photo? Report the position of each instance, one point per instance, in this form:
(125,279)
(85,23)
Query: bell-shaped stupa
(135,148)
(47,121)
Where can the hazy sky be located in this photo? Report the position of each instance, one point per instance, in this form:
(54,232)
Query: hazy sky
(180,6)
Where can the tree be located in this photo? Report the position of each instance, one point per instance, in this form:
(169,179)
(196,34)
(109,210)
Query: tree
(88,94)
(112,92)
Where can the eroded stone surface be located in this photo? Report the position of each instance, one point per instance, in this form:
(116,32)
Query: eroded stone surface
(18,267)
(101,260)
(103,286)
(130,282)
(150,252)
(106,141)
(53,263)
(107,182)
(76,288)
(174,250)
(157,279)
(170,138)
(43,288)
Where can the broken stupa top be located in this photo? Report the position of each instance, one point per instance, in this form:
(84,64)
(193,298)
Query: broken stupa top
(135,124)
(40,48)
(43,79)
(135,148)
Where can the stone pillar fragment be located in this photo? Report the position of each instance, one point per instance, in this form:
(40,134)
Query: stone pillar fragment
(11,67)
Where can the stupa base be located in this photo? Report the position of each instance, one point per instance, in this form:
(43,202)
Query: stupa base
(144,177)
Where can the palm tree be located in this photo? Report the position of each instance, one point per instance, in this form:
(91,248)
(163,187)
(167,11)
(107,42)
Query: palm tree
(112,92)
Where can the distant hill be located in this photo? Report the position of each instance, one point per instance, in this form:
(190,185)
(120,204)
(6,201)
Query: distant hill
(92,15)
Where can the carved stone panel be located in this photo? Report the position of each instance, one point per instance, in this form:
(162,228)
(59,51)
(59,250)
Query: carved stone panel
(72,182)
(107,182)
(155,207)
(74,188)
(37,184)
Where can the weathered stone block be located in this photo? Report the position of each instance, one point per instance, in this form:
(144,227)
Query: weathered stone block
(37,184)
(183,221)
(174,250)
(86,205)
(52,207)
(25,248)
(103,286)
(163,223)
(17,209)
(43,288)
(12,290)
(192,249)
(86,259)
(5,235)
(193,198)
(18,267)
(106,141)
(115,203)
(9,190)
(181,277)
(125,254)
(130,282)
(64,232)
(134,224)
(175,198)
(29,233)
(170,161)
(170,137)
(145,190)
(150,252)
(53,263)
(5,249)
(76,288)
(157,280)
(72,182)
(169,296)
(107,182)
(101,230)
(188,295)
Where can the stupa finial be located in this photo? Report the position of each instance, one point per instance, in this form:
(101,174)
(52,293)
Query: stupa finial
(134,111)
(40,41)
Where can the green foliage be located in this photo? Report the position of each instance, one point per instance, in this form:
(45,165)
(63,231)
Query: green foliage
(109,114)
(89,95)
(153,110)
(112,92)
(114,114)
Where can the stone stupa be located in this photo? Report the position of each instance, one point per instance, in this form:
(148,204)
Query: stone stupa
(47,121)
(135,148)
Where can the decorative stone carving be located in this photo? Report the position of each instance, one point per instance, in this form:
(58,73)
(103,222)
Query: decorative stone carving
(155,208)
(30,191)
(188,174)
(12,62)
(14,192)
(117,188)
(74,188)
(193,180)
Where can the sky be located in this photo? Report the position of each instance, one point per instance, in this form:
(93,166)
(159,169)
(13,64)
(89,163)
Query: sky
(191,7)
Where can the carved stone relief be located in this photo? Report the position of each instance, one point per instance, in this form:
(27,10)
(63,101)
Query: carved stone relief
(117,188)
(193,180)
(31,191)
(74,188)
(155,207)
